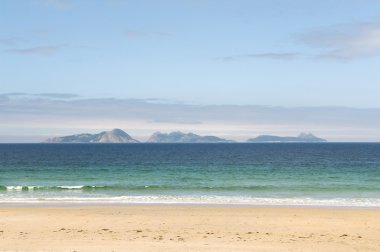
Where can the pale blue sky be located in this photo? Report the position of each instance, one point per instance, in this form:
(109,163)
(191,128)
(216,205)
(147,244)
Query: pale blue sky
(284,53)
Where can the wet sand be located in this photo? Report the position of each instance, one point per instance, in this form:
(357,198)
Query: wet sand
(187,228)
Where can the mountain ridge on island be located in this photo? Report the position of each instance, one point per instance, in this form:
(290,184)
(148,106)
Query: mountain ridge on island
(120,136)
(112,136)
(180,137)
(301,138)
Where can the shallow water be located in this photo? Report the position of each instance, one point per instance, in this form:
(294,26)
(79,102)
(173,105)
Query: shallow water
(326,174)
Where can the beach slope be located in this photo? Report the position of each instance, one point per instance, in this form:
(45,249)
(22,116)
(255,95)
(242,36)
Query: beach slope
(187,228)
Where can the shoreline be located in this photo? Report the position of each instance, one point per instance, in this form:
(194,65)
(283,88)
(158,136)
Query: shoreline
(200,205)
(187,228)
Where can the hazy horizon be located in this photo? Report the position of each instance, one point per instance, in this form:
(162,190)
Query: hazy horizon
(233,69)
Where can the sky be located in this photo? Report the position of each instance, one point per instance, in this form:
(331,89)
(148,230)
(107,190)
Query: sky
(236,69)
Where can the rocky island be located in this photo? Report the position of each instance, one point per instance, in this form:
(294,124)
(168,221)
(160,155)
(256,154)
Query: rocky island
(180,137)
(120,136)
(113,136)
(302,138)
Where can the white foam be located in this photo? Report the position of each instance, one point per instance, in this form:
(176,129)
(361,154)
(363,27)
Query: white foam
(14,188)
(71,187)
(222,200)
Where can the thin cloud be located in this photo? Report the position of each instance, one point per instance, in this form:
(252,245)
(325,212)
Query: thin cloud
(15,94)
(270,55)
(344,42)
(58,95)
(135,34)
(52,106)
(8,96)
(18,96)
(39,50)
(9,41)
(176,121)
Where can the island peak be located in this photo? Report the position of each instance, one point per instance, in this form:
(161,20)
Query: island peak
(112,136)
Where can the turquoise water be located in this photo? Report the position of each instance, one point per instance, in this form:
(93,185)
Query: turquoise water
(327,174)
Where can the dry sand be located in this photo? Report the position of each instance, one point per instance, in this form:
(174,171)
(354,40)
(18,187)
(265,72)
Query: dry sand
(187,228)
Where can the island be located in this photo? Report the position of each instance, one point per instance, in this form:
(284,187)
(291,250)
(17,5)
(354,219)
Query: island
(302,138)
(120,136)
(180,137)
(113,136)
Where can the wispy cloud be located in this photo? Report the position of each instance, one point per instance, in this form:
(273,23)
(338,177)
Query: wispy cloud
(9,41)
(39,50)
(176,120)
(339,42)
(268,55)
(56,111)
(344,42)
(18,96)
(58,95)
(15,94)
(135,34)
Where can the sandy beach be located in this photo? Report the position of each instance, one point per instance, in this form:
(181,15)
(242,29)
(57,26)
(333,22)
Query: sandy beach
(187,228)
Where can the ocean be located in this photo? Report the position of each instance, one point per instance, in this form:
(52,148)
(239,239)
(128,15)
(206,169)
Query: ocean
(285,174)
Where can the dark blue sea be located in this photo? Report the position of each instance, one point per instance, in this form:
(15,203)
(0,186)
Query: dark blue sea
(301,174)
